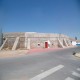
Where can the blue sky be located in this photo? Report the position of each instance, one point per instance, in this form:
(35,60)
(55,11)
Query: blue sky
(49,16)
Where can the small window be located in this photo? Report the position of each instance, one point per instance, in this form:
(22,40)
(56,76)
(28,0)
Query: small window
(38,44)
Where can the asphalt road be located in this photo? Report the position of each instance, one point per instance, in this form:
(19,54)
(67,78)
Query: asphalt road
(58,65)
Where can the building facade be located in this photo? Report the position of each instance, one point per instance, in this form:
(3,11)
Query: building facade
(31,40)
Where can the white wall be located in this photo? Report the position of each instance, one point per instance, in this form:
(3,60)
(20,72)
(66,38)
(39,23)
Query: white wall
(74,43)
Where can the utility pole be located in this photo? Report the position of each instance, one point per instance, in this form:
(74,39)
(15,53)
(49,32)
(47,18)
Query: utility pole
(1,36)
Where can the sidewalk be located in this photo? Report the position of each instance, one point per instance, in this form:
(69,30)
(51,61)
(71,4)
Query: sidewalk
(37,50)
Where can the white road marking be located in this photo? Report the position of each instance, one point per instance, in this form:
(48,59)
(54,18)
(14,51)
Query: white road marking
(69,78)
(47,73)
(76,74)
(78,69)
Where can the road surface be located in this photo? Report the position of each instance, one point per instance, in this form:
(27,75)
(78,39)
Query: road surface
(58,65)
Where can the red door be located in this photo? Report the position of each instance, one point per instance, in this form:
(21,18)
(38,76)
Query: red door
(46,44)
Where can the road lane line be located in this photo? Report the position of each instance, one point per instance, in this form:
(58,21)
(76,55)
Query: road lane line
(78,69)
(69,78)
(76,74)
(47,73)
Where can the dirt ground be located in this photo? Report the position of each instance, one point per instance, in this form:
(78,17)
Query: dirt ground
(16,53)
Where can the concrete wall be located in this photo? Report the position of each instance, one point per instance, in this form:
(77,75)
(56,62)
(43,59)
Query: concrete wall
(31,40)
(9,43)
(41,38)
(21,44)
(14,34)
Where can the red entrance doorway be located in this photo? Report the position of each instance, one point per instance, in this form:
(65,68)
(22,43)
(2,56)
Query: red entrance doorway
(46,44)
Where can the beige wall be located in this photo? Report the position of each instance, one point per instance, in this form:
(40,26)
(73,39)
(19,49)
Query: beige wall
(34,39)
(14,34)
